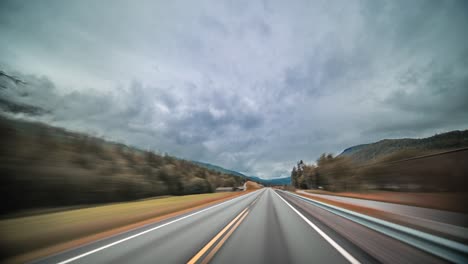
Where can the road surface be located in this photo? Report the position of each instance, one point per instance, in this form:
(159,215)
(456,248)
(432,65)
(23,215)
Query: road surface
(265,226)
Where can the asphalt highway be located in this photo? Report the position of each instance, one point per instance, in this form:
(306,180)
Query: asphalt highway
(265,226)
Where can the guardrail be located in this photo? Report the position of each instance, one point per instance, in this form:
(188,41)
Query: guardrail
(444,248)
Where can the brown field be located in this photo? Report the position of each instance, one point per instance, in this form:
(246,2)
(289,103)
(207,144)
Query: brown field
(252,185)
(27,238)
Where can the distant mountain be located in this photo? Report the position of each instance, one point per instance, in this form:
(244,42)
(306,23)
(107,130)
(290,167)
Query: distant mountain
(270,182)
(219,169)
(353,149)
(266,182)
(440,142)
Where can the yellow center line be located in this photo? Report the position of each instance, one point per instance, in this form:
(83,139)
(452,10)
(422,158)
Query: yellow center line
(205,249)
(220,244)
(195,258)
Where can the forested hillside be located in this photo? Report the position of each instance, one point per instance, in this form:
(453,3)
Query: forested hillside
(44,166)
(412,147)
(265,182)
(434,164)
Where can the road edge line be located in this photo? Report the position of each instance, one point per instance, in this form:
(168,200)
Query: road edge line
(149,230)
(341,250)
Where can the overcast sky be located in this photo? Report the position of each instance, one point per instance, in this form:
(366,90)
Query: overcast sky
(249,85)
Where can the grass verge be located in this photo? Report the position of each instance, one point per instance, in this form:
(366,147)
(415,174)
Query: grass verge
(27,238)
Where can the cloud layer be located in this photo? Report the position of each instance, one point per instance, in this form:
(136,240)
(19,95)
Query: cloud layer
(248,85)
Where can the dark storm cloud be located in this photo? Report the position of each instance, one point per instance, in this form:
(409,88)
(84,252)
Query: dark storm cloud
(249,85)
(199,126)
(444,92)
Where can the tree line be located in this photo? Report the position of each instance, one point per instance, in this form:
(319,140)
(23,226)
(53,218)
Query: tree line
(43,166)
(399,171)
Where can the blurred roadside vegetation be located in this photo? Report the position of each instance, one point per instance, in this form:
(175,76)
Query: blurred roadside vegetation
(23,239)
(43,167)
(406,169)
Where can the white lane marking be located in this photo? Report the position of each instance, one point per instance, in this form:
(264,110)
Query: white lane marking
(146,231)
(343,252)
